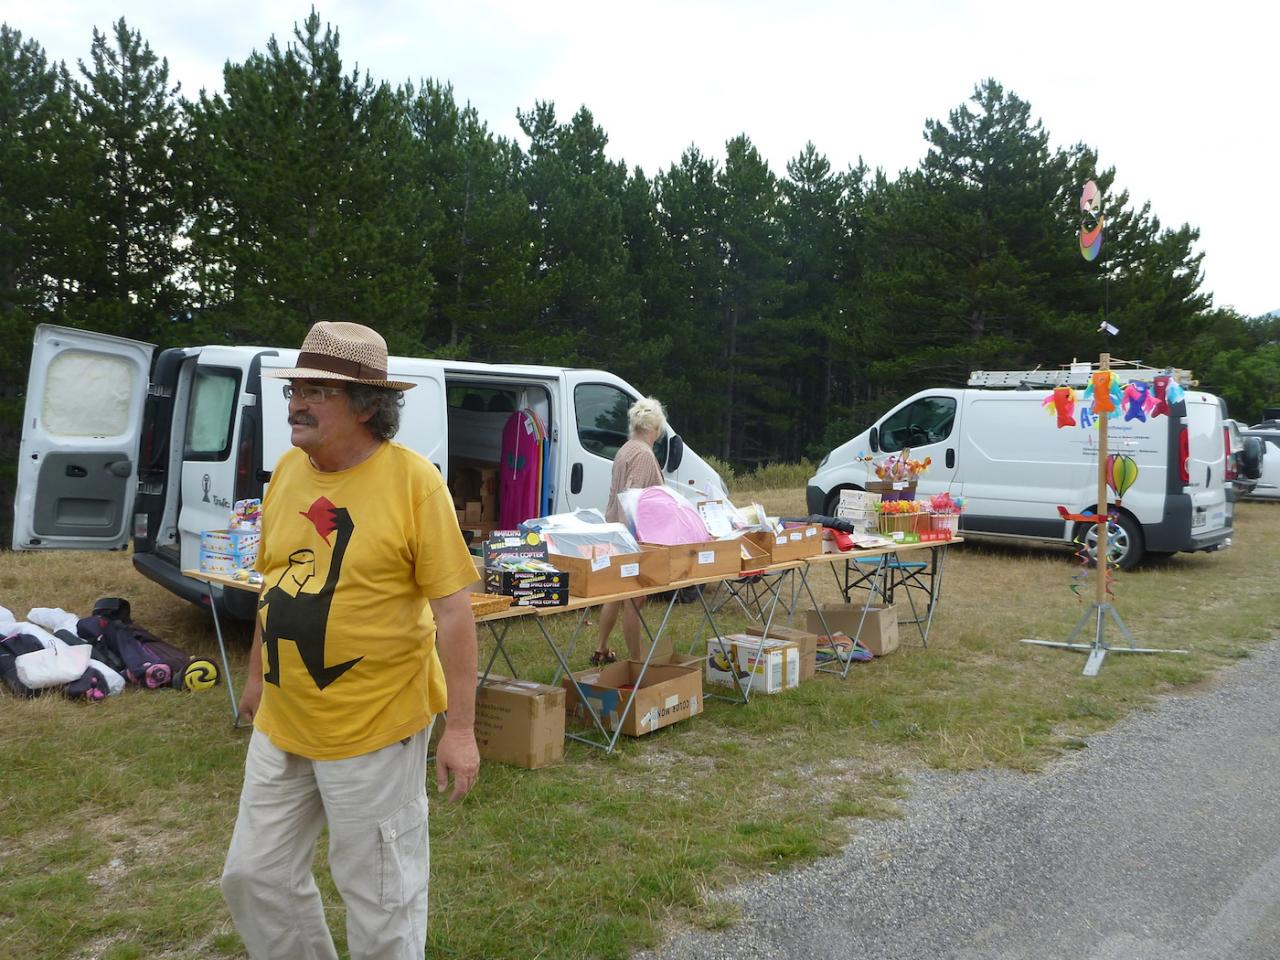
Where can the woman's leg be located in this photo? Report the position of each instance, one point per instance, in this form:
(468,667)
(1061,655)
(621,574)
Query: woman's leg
(608,617)
(632,632)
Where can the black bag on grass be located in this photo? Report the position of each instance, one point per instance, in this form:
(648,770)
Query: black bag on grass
(144,658)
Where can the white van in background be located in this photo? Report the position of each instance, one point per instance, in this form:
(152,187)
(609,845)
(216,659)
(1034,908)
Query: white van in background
(113,449)
(1002,451)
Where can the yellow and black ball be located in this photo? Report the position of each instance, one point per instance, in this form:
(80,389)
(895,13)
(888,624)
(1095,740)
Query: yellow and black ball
(200,675)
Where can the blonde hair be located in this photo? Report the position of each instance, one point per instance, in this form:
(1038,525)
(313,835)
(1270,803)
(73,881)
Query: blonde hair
(646,415)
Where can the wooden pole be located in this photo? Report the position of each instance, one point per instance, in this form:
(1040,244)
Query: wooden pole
(1100,564)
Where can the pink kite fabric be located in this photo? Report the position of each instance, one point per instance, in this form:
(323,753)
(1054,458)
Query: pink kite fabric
(519,476)
(663,517)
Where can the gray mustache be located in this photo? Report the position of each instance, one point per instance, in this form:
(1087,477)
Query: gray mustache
(301,419)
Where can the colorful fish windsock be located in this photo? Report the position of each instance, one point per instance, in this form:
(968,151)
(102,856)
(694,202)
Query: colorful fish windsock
(1091,221)
(1103,387)
(1063,401)
(1122,471)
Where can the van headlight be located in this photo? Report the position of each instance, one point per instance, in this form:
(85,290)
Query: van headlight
(824,461)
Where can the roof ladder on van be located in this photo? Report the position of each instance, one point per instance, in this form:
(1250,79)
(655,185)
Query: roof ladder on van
(1075,375)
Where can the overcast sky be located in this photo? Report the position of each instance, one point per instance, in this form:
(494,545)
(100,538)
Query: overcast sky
(1181,98)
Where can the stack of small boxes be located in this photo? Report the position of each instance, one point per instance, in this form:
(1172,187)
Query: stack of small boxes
(235,548)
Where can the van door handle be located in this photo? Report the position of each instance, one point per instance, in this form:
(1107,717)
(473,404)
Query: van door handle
(78,473)
(951,458)
(575,479)
(120,468)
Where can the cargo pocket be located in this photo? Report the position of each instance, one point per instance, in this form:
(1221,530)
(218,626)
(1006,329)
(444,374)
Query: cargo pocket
(402,854)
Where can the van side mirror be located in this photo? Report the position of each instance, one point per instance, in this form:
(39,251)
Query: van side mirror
(875,439)
(675,453)
(1251,458)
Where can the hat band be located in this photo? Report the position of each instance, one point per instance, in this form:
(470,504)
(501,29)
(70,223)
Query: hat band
(346,368)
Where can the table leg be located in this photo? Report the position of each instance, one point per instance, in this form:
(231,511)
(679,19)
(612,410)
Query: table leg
(499,647)
(226,667)
(724,651)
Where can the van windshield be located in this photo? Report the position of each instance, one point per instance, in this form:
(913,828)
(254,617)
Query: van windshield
(927,420)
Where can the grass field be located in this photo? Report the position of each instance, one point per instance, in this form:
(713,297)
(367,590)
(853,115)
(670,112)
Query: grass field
(117,815)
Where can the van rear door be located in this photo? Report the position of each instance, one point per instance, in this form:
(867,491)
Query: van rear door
(1205,468)
(78,462)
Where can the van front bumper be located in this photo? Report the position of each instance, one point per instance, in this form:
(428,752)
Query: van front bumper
(815,498)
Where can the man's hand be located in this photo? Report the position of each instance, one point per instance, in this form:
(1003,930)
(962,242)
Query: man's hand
(250,697)
(457,754)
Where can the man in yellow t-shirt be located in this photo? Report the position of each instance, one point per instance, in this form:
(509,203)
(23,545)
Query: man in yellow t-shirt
(364,633)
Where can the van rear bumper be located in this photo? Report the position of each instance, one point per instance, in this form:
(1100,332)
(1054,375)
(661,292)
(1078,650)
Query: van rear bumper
(1176,534)
(238,604)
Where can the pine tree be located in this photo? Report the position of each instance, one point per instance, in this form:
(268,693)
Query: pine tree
(134,215)
(307,209)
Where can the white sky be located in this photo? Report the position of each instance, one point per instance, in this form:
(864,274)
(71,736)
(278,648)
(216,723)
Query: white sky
(1181,98)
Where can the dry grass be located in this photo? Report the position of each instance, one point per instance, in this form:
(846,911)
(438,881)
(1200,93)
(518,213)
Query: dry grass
(117,815)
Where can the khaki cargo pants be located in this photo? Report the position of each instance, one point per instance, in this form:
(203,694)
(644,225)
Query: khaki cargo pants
(375,807)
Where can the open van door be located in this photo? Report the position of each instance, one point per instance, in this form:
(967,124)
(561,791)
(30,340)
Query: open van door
(78,463)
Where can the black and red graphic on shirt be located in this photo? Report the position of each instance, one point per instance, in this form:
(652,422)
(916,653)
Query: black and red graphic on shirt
(296,610)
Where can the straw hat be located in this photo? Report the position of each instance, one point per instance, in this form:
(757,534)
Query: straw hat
(343,351)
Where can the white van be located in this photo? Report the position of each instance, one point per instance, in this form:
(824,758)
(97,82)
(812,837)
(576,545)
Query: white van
(1002,451)
(204,428)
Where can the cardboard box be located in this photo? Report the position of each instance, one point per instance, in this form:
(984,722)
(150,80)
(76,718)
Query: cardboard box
(616,574)
(693,561)
(668,695)
(776,667)
(231,543)
(859,508)
(794,543)
(225,564)
(807,642)
(529,589)
(520,722)
(504,543)
(471,512)
(879,630)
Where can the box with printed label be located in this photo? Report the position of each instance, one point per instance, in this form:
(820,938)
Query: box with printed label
(529,588)
(793,543)
(231,543)
(879,632)
(694,561)
(861,509)
(615,574)
(667,695)
(807,642)
(514,543)
(520,722)
(770,666)
(224,564)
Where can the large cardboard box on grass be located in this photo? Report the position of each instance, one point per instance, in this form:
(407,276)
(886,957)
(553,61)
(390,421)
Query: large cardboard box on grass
(669,694)
(879,630)
(520,722)
(694,561)
(619,573)
(807,642)
(794,543)
(776,665)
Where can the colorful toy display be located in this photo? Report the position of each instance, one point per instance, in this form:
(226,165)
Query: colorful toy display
(1091,221)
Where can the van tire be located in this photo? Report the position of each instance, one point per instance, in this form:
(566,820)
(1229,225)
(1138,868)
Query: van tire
(1129,538)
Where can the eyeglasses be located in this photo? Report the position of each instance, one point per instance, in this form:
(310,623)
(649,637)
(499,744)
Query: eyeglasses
(310,393)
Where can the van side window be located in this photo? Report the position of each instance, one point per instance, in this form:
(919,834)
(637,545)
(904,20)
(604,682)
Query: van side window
(602,417)
(210,414)
(928,420)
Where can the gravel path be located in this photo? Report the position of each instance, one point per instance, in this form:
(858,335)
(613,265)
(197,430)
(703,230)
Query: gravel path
(1160,841)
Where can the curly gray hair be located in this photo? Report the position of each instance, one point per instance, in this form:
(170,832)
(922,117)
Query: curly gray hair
(385,404)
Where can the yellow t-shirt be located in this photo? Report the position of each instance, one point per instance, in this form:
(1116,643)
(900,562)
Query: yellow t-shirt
(349,560)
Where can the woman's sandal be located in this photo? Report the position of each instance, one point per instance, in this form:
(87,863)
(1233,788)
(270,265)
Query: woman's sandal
(601,657)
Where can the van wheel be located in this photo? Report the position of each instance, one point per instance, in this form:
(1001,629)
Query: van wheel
(1125,545)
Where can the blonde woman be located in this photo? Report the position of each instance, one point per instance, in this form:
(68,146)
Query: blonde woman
(635,466)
